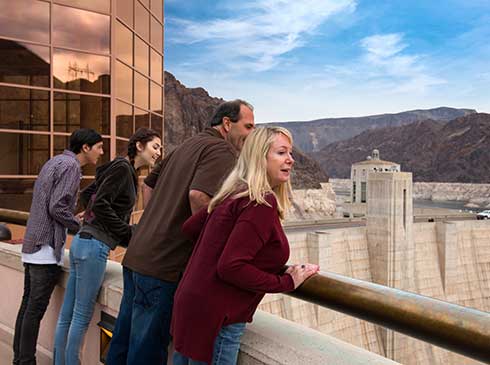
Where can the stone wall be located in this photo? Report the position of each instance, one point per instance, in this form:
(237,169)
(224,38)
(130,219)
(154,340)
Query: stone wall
(312,203)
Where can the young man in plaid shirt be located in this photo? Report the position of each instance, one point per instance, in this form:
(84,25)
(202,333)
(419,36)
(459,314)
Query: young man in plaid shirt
(52,214)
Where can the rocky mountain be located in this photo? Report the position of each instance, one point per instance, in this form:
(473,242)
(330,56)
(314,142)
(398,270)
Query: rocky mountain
(188,111)
(455,151)
(312,136)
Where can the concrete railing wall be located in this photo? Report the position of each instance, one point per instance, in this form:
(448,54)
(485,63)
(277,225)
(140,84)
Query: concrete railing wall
(269,340)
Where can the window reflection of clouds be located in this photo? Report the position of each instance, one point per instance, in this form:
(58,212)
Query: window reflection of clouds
(141,55)
(104,6)
(124,82)
(81,29)
(72,70)
(142,20)
(157,8)
(156,34)
(25,19)
(156,66)
(124,43)
(124,10)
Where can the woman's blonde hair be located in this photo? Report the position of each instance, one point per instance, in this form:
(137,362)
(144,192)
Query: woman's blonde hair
(249,176)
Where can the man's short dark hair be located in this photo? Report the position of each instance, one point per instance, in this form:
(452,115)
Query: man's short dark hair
(230,109)
(83,136)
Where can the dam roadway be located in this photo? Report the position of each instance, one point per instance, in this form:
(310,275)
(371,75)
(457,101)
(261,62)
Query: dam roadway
(335,223)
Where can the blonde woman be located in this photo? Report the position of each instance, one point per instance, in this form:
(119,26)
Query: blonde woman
(240,253)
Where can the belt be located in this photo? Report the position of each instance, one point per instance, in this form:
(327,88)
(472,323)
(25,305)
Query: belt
(85,235)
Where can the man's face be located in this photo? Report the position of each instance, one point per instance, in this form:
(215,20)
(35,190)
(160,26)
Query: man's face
(93,153)
(242,128)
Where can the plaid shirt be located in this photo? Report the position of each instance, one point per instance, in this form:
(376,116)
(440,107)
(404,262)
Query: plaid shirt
(53,204)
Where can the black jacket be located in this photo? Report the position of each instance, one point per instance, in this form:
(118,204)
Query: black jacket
(109,201)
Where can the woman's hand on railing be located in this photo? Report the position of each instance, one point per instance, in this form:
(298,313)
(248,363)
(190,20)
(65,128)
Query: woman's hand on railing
(300,273)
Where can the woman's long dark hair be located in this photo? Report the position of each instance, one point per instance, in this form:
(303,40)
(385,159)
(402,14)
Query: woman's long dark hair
(142,135)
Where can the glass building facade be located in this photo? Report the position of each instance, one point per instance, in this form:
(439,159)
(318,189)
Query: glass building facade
(68,64)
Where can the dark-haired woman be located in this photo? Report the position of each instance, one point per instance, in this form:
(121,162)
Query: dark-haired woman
(109,201)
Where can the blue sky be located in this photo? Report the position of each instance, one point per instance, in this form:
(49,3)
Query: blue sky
(309,59)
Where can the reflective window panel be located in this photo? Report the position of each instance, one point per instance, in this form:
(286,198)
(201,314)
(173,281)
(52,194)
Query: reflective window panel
(73,111)
(103,6)
(141,55)
(157,123)
(156,66)
(157,8)
(22,154)
(24,109)
(124,119)
(142,21)
(156,98)
(141,87)
(81,29)
(24,63)
(121,148)
(16,194)
(81,71)
(156,34)
(124,82)
(25,19)
(124,43)
(141,119)
(124,10)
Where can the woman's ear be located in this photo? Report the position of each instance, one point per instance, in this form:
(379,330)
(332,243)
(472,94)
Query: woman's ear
(139,146)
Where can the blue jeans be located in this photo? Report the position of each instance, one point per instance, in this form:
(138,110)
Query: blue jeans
(142,331)
(88,260)
(225,350)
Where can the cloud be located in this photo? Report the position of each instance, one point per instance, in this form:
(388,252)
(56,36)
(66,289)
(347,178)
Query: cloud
(384,57)
(383,46)
(261,33)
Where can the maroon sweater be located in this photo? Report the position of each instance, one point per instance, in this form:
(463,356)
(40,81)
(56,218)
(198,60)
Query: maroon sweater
(239,256)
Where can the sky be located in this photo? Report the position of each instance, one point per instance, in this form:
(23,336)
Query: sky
(310,59)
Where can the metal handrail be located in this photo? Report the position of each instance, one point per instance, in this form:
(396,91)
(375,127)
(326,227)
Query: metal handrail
(460,329)
(13,216)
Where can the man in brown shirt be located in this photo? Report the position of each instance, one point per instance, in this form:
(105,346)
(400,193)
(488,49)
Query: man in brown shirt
(181,184)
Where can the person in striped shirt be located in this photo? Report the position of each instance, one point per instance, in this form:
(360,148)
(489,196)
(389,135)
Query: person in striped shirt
(52,213)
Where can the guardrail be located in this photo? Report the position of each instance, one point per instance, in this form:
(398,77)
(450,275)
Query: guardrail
(13,216)
(460,329)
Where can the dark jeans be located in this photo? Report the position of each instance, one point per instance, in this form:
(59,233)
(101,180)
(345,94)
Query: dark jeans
(39,283)
(142,331)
